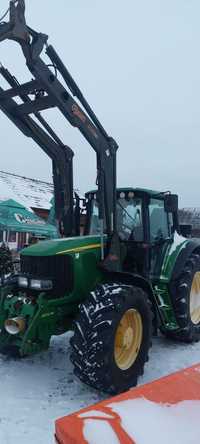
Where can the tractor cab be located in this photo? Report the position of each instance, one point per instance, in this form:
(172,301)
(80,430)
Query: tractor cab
(146,222)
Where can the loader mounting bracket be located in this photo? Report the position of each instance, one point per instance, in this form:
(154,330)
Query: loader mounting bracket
(16,29)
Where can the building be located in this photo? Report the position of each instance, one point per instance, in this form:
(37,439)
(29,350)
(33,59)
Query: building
(191,216)
(32,193)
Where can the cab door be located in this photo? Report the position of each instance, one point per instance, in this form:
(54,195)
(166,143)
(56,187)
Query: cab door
(132,230)
(160,235)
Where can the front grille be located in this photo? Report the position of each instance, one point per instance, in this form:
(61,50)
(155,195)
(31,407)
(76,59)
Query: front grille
(57,268)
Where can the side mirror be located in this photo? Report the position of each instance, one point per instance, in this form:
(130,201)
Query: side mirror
(171,203)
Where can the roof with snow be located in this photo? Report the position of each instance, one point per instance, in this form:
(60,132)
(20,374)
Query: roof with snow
(31,193)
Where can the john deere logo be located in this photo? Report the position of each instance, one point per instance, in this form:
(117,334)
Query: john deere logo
(26,220)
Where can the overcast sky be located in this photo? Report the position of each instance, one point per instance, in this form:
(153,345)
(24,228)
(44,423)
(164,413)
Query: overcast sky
(138,64)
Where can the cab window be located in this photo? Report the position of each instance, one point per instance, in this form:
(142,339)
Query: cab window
(95,227)
(129,219)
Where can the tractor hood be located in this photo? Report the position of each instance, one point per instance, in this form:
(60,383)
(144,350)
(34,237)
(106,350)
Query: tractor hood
(63,246)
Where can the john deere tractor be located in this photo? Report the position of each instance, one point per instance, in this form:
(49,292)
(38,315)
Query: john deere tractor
(131,274)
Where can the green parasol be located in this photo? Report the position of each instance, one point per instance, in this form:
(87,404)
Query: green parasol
(15,217)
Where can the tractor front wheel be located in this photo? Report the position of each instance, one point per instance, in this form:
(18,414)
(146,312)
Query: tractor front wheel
(112,337)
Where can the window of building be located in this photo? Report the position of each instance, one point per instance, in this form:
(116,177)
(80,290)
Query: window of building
(12,236)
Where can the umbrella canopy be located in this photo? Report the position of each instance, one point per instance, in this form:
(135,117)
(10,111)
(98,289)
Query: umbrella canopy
(15,217)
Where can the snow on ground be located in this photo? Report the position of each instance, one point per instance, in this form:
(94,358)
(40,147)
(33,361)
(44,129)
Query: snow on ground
(37,390)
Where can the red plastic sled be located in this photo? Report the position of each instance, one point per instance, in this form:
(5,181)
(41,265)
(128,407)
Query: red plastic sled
(179,391)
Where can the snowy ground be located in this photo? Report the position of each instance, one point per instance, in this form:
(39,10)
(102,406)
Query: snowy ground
(36,391)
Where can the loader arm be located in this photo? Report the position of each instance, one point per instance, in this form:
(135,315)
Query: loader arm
(50,92)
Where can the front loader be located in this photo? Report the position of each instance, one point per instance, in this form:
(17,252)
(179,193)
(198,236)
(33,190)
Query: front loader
(132,272)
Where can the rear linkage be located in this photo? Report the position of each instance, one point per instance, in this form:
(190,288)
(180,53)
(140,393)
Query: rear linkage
(49,92)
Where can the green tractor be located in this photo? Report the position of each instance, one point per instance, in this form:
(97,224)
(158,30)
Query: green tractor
(158,286)
(131,274)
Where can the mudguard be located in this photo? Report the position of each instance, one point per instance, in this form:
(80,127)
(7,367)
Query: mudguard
(131,279)
(191,246)
(176,256)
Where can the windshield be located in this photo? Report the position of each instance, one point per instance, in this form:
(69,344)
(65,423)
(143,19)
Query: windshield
(94,220)
(129,219)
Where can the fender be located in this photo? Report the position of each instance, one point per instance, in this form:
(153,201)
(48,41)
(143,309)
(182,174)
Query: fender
(176,255)
(131,279)
(138,281)
(191,246)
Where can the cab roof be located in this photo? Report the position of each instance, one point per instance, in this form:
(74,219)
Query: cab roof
(136,191)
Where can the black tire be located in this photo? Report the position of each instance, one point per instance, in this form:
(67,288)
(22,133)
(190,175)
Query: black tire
(189,331)
(93,342)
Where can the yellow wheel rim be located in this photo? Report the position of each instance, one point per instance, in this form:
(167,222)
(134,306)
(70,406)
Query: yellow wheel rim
(128,339)
(195,299)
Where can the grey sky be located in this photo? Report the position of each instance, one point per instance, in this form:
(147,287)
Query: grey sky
(137,63)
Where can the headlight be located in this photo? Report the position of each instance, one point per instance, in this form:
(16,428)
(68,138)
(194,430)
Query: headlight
(41,284)
(22,282)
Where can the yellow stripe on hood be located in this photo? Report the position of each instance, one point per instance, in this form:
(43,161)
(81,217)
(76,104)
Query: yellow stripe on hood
(79,249)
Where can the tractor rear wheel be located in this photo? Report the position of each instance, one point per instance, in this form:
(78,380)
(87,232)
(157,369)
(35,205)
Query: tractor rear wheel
(186,301)
(112,337)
